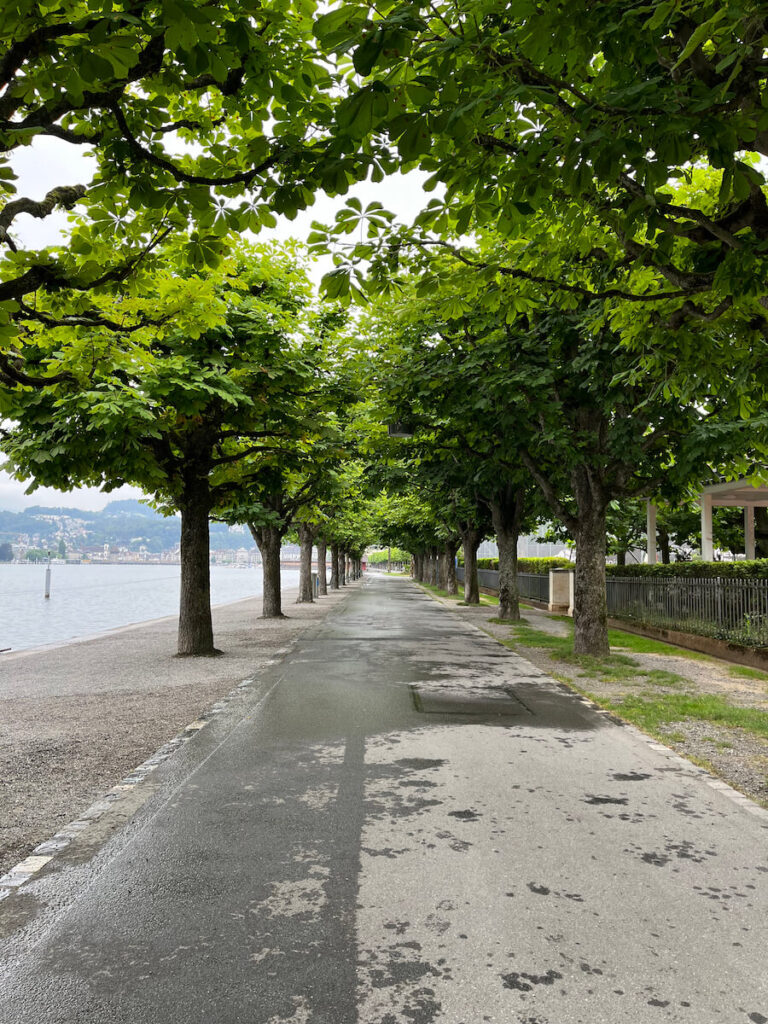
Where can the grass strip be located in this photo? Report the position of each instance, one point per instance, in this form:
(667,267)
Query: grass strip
(744,672)
(647,645)
(653,711)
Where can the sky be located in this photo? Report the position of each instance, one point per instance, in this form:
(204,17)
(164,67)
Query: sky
(51,162)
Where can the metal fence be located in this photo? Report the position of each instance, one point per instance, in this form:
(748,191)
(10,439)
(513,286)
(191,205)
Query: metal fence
(727,609)
(532,585)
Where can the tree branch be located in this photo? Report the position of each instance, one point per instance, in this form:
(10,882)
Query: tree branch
(146,155)
(65,196)
(569,521)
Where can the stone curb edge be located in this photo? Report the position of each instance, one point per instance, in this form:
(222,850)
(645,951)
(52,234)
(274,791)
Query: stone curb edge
(44,852)
(736,797)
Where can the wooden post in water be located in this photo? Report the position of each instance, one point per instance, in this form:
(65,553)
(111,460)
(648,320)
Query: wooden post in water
(48,577)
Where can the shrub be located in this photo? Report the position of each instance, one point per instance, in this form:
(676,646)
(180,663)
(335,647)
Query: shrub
(377,557)
(536,566)
(757,569)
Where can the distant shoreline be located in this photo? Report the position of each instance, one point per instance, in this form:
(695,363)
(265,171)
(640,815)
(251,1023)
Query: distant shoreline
(13,655)
(214,565)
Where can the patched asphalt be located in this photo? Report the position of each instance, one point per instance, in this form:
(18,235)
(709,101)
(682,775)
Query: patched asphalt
(403,823)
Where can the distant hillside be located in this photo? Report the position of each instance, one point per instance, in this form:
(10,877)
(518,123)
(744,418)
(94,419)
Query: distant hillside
(127,524)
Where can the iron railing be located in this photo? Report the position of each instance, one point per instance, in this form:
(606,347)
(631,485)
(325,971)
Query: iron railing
(727,609)
(531,585)
(534,585)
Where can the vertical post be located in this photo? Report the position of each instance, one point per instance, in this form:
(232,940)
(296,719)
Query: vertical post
(650,533)
(389,558)
(48,577)
(707,543)
(749,531)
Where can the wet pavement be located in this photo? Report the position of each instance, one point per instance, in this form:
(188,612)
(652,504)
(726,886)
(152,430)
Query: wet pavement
(403,823)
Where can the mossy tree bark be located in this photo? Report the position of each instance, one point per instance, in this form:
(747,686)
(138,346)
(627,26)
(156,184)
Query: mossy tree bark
(507,513)
(590,614)
(269,540)
(306,539)
(663,545)
(195,622)
(432,576)
(322,574)
(334,566)
(449,563)
(342,567)
(761,532)
(470,541)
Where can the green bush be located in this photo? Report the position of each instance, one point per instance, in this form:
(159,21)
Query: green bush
(757,569)
(377,557)
(536,566)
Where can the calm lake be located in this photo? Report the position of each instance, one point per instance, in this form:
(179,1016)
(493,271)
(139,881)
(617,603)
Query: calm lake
(87,599)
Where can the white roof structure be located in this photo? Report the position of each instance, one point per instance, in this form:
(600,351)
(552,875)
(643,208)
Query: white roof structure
(747,493)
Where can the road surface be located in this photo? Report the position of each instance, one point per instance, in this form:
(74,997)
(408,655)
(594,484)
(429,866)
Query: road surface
(403,823)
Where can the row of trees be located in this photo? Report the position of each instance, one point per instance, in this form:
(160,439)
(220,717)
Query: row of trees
(229,408)
(577,318)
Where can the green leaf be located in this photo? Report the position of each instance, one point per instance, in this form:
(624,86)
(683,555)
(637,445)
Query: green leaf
(700,35)
(366,55)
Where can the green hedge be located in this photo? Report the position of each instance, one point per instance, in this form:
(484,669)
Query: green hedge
(536,566)
(757,569)
(377,557)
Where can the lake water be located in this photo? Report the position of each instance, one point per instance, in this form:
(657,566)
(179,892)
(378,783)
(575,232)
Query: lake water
(87,599)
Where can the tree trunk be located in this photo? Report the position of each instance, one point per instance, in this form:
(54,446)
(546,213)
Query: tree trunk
(431,568)
(334,566)
(470,541)
(322,574)
(269,540)
(761,532)
(621,558)
(507,511)
(436,561)
(663,545)
(306,536)
(195,622)
(449,558)
(342,568)
(590,616)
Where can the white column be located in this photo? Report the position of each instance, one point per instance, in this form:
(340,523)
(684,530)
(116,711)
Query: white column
(707,543)
(749,531)
(650,533)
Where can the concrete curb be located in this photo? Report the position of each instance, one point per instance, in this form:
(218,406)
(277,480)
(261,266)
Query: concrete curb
(44,852)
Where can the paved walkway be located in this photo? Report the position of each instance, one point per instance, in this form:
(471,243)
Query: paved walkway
(404,823)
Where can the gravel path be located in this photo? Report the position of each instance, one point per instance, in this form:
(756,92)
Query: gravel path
(76,719)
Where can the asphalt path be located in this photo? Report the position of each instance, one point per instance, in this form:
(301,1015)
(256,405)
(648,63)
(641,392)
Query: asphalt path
(404,822)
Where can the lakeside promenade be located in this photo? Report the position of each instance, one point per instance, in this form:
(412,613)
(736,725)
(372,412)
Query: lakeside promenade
(400,821)
(76,717)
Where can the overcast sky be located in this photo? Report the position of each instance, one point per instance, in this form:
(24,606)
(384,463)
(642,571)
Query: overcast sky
(50,162)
